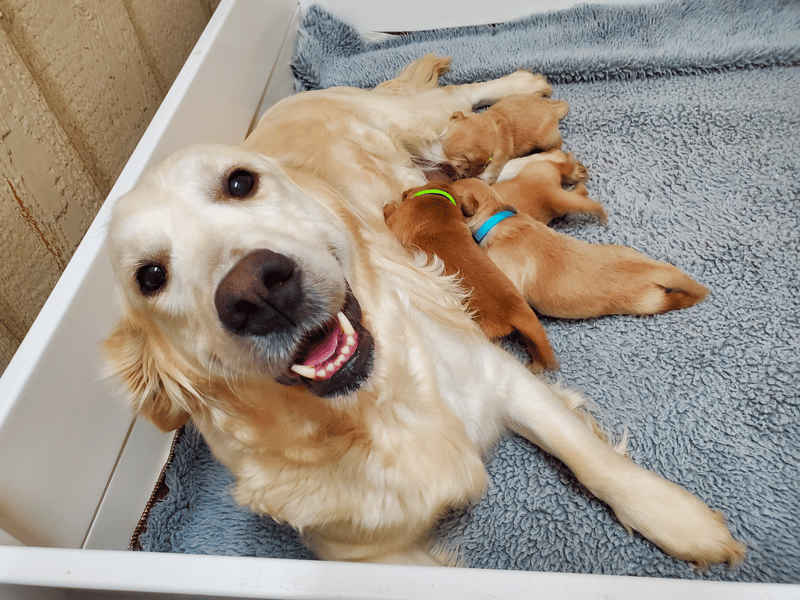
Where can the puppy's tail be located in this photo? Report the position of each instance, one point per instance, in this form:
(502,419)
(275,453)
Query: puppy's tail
(422,74)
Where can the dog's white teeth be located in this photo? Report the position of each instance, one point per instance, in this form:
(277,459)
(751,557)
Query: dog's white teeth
(304,371)
(351,341)
(347,328)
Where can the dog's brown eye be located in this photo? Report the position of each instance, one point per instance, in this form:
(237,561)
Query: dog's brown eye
(151,278)
(241,183)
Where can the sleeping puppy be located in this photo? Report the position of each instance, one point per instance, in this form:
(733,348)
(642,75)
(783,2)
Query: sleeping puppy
(480,144)
(342,383)
(562,276)
(429,219)
(538,189)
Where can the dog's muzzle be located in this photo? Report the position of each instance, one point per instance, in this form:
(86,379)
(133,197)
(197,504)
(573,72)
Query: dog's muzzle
(263,296)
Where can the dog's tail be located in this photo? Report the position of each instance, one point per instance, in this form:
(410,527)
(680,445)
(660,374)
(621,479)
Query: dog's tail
(422,74)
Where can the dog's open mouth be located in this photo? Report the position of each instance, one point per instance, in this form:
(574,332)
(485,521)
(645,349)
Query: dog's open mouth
(337,358)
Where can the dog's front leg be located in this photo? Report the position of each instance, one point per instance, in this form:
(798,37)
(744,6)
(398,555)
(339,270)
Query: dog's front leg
(678,522)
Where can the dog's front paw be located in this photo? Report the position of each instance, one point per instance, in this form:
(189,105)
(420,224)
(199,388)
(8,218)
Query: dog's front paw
(679,523)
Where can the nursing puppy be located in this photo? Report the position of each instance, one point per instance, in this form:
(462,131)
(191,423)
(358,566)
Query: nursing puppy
(341,382)
(538,189)
(562,276)
(428,218)
(480,144)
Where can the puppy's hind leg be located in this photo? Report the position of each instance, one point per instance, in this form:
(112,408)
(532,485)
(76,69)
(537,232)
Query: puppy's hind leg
(577,280)
(669,516)
(516,165)
(575,201)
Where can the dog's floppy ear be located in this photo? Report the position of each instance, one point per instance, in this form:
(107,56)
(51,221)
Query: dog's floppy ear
(153,389)
(457,116)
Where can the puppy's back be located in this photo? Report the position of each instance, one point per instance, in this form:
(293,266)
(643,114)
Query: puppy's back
(436,227)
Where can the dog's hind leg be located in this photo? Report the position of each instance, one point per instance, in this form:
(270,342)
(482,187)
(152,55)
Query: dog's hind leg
(672,518)
(422,74)
(406,552)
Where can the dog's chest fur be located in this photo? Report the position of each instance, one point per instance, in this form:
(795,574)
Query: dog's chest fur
(375,463)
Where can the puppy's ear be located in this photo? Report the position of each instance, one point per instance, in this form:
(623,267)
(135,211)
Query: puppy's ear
(389,209)
(153,390)
(469,204)
(457,116)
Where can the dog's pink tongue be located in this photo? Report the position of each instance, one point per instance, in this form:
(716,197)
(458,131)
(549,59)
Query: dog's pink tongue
(324,350)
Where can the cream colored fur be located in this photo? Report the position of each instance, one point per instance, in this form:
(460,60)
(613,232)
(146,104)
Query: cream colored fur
(362,477)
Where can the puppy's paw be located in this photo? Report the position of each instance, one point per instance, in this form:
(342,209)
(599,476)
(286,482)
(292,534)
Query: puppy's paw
(573,171)
(587,205)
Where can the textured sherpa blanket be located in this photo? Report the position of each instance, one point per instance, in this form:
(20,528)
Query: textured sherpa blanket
(687,116)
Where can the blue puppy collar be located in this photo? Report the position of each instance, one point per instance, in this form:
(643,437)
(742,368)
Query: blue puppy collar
(490,223)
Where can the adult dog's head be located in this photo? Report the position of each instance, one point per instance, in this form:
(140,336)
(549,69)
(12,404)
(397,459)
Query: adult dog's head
(230,273)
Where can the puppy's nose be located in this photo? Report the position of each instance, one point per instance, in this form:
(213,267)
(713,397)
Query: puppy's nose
(260,294)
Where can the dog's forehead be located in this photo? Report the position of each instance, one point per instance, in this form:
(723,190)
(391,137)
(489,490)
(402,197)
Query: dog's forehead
(196,174)
(182,208)
(190,185)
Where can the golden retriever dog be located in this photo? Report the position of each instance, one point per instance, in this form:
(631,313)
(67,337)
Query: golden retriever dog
(538,189)
(561,276)
(336,375)
(480,144)
(429,219)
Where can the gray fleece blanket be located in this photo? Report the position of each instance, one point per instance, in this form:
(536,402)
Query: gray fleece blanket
(687,115)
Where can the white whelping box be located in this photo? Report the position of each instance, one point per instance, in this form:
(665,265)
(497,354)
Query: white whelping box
(76,470)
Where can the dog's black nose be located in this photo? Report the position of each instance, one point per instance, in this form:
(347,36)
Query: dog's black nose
(260,294)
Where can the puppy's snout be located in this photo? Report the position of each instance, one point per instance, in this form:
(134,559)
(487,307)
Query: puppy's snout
(260,294)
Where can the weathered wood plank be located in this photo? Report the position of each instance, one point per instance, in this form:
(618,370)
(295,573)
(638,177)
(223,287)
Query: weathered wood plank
(47,199)
(88,62)
(173,26)
(79,83)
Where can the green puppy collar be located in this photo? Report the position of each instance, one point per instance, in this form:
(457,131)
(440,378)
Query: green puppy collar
(438,193)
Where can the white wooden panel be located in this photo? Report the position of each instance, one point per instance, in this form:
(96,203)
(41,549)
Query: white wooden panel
(236,577)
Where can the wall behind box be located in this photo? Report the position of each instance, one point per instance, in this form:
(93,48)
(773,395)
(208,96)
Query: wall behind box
(79,83)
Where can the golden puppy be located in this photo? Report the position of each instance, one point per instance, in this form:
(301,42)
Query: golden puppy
(480,144)
(429,219)
(537,190)
(562,276)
